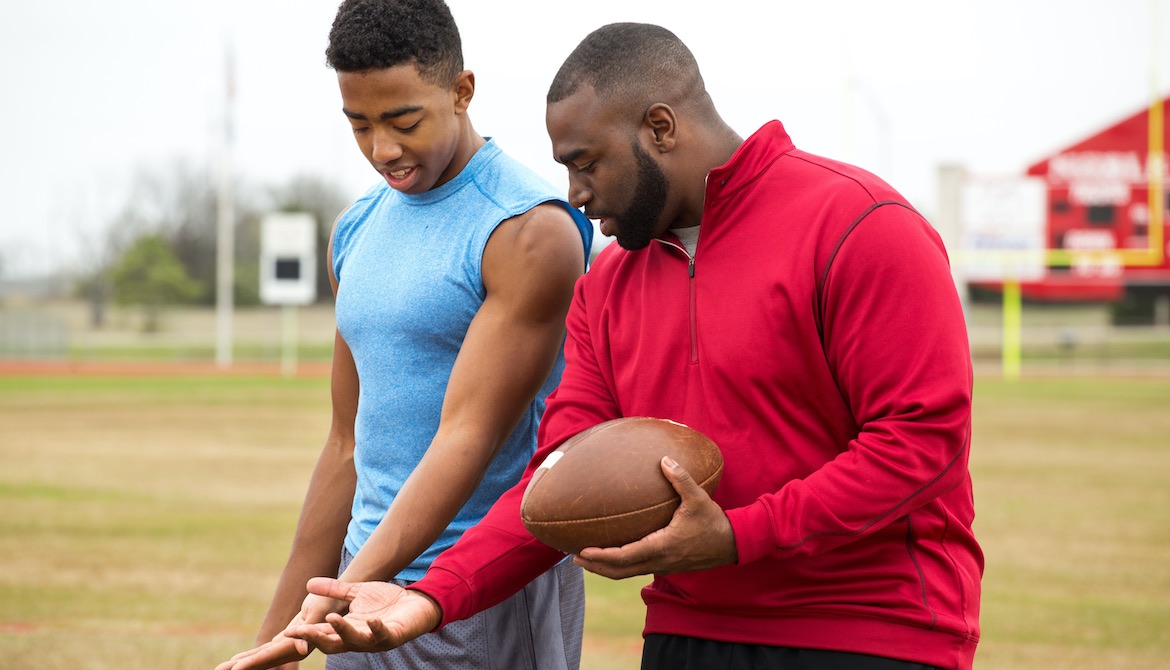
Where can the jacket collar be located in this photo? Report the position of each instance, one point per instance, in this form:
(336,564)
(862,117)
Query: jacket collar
(749,161)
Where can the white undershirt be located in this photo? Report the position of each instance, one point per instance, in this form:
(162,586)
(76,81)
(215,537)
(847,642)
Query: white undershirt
(688,236)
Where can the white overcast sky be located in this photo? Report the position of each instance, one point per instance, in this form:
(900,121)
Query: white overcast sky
(92,93)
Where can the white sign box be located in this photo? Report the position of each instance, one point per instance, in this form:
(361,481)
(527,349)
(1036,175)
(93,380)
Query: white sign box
(1003,222)
(288,259)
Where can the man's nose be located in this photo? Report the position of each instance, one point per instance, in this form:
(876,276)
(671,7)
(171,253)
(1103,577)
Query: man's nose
(579,194)
(386,148)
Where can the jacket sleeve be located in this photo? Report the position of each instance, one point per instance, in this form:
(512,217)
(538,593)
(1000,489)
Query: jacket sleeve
(497,557)
(896,341)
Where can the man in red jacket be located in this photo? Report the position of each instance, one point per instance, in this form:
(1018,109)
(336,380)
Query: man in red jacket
(800,313)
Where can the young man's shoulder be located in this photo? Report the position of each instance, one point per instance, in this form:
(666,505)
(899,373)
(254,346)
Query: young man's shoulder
(536,207)
(502,174)
(546,227)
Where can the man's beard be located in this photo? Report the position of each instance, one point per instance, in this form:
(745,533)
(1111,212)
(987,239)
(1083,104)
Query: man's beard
(637,225)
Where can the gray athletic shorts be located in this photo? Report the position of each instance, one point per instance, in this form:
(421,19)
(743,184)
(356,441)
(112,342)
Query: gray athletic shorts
(539,628)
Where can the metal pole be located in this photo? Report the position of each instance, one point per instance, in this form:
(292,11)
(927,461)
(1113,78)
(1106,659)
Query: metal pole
(225,231)
(948,222)
(288,359)
(1011,328)
(1156,150)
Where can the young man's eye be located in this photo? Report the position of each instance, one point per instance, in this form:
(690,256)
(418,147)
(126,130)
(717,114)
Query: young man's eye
(410,128)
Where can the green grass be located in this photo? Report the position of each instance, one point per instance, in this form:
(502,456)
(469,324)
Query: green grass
(145,520)
(1099,353)
(171,351)
(1074,515)
(614,615)
(146,517)
(126,392)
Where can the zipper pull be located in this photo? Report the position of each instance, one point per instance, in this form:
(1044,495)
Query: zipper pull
(691,268)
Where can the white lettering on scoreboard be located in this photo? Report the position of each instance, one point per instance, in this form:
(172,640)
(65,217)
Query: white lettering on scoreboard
(1096,167)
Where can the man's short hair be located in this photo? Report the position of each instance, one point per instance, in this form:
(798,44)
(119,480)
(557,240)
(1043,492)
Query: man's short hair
(629,61)
(377,34)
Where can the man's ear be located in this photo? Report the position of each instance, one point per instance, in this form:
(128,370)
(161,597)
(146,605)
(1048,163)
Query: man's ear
(463,90)
(662,123)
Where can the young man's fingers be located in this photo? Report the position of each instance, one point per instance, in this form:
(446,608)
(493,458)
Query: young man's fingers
(332,588)
(354,638)
(380,633)
(322,636)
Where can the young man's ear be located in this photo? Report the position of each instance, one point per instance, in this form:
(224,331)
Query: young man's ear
(662,123)
(463,90)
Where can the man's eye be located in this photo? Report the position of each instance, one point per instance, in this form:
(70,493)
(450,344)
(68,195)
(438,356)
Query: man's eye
(410,128)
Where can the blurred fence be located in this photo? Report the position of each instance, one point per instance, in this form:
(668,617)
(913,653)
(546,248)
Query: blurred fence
(66,331)
(1053,338)
(33,333)
(1068,339)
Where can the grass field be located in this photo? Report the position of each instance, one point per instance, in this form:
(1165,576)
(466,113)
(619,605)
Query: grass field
(143,521)
(1064,338)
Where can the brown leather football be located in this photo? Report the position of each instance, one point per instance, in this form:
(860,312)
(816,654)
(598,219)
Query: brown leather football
(604,487)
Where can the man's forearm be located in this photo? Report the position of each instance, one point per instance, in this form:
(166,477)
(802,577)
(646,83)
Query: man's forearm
(320,534)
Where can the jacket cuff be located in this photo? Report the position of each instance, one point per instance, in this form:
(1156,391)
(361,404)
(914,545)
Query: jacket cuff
(752,526)
(450,591)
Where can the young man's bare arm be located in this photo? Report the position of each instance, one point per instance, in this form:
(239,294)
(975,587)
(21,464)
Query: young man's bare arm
(530,265)
(316,548)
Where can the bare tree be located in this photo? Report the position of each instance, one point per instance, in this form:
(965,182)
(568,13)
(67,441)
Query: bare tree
(101,251)
(178,204)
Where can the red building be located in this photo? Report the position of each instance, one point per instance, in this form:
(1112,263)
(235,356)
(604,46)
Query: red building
(1099,203)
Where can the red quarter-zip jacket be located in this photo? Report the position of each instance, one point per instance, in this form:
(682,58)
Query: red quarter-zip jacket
(817,337)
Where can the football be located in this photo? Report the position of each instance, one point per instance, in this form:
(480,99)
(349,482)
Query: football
(604,487)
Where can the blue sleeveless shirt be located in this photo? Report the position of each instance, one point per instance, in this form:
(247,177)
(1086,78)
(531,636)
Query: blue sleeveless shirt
(409,283)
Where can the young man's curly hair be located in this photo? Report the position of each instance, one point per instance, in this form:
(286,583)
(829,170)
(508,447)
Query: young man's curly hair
(378,34)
